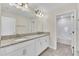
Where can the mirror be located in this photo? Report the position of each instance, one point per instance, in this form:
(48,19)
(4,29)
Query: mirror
(15,21)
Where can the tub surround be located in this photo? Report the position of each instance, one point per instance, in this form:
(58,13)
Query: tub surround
(18,38)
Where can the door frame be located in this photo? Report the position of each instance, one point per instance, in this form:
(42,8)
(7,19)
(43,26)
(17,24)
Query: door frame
(75,28)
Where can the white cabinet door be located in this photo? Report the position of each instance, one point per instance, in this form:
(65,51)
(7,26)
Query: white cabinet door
(44,43)
(18,52)
(30,49)
(41,44)
(38,46)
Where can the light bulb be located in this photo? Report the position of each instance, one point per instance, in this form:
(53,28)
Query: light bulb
(18,6)
(26,6)
(42,15)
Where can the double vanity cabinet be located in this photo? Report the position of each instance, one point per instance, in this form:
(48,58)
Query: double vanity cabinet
(31,47)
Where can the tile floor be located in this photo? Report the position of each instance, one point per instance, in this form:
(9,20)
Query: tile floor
(62,50)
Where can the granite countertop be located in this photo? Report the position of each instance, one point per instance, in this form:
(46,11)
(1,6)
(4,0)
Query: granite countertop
(16,40)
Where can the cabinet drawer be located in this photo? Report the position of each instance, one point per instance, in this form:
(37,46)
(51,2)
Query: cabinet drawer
(38,46)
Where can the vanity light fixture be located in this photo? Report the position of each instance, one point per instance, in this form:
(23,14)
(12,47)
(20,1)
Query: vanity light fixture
(39,12)
(22,6)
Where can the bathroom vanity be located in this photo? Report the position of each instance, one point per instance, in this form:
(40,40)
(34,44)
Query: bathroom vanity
(31,45)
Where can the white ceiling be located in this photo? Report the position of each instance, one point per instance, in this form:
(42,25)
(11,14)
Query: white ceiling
(48,6)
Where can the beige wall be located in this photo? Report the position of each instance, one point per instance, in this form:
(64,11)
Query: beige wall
(52,21)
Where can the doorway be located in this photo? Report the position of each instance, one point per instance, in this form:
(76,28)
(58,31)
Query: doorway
(65,30)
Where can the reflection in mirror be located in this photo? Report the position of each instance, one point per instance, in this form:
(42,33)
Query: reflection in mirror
(17,23)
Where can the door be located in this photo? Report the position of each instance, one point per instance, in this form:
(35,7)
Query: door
(65,29)
(44,42)
(30,50)
(77,40)
(38,46)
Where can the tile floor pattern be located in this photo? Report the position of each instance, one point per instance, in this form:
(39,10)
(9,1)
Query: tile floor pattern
(62,50)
